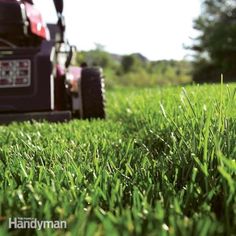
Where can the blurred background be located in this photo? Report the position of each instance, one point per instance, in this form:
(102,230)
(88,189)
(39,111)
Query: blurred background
(152,42)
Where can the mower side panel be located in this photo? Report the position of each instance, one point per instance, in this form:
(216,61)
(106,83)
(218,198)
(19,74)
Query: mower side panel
(39,96)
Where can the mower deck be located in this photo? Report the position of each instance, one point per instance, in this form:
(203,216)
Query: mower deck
(52,116)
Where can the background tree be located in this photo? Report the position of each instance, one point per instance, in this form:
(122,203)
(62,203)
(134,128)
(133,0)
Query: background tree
(216,45)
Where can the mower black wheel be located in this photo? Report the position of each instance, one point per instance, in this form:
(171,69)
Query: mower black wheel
(92,94)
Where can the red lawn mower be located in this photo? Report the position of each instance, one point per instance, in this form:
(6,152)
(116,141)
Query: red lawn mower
(37,81)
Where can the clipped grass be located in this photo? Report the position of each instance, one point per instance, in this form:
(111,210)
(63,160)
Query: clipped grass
(163,163)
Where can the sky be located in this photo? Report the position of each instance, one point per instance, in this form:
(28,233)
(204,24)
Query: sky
(158,29)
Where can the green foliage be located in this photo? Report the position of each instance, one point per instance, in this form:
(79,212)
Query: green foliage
(162,163)
(128,63)
(215,47)
(95,58)
(135,70)
(131,63)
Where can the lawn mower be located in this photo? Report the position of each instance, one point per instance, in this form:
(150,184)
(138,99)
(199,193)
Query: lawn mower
(37,81)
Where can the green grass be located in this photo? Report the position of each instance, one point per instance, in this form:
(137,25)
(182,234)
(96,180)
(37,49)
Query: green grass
(163,163)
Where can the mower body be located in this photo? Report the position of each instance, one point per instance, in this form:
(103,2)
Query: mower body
(36,79)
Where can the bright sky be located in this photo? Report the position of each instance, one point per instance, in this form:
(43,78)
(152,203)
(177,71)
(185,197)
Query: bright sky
(156,28)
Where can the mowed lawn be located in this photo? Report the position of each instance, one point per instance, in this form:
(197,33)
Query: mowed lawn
(162,163)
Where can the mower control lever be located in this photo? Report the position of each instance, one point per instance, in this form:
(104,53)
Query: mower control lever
(70,56)
(58,5)
(61,20)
